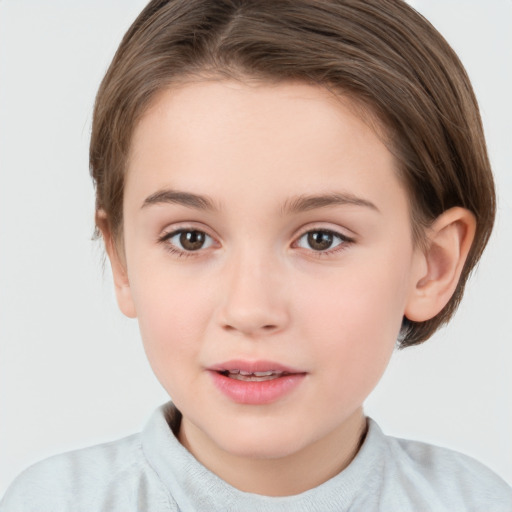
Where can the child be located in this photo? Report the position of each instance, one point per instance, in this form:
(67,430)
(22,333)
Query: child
(284,188)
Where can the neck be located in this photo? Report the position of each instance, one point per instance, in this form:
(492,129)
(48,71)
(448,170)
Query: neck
(283,476)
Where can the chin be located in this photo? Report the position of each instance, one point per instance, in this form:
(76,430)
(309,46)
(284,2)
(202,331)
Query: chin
(268,444)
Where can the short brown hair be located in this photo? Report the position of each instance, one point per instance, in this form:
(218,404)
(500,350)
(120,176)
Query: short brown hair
(382,53)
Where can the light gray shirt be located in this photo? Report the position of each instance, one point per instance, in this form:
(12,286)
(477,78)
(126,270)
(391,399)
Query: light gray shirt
(153,472)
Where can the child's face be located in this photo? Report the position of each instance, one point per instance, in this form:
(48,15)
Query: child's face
(264,229)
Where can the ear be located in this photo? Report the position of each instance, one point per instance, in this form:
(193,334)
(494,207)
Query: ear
(440,264)
(118,264)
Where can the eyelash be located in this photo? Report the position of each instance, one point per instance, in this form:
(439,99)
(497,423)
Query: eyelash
(343,242)
(181,253)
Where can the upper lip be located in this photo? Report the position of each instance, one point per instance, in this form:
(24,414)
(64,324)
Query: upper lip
(253,366)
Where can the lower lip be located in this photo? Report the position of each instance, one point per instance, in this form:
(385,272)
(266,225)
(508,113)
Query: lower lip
(256,393)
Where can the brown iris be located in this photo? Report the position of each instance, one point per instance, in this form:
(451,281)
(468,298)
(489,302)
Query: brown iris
(320,240)
(192,240)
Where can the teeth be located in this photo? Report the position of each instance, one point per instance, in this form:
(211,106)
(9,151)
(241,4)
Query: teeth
(253,376)
(268,373)
(265,374)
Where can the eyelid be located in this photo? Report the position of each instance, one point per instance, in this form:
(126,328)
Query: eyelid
(177,227)
(171,231)
(337,232)
(343,232)
(177,232)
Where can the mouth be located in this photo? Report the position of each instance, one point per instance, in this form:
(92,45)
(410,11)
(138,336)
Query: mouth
(255,383)
(254,370)
(253,376)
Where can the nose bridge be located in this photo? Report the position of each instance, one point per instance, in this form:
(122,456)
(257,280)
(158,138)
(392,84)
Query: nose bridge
(253,301)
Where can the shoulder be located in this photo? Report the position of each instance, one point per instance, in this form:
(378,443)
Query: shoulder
(84,479)
(452,478)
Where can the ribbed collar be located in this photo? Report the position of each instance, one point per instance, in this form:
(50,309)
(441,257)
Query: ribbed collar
(195,488)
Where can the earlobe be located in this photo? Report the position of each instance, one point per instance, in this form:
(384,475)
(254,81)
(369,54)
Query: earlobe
(440,264)
(118,265)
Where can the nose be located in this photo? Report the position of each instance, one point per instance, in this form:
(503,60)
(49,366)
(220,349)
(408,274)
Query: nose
(254,297)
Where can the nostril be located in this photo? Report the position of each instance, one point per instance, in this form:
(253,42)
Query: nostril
(265,328)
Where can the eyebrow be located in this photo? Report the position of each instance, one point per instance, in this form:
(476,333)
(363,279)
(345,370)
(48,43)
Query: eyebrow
(297,204)
(178,197)
(305,203)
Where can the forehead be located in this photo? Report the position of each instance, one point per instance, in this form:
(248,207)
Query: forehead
(262,141)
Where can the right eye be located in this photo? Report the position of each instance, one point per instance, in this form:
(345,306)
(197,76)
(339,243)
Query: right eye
(187,240)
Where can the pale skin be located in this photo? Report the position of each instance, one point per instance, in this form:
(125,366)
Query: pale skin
(259,173)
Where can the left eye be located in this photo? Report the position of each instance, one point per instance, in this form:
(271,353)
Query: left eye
(320,240)
(189,240)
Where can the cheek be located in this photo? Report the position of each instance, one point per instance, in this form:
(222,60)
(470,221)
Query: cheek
(360,298)
(354,318)
(173,313)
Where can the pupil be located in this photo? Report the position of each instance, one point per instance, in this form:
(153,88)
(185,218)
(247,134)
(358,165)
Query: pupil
(320,240)
(192,240)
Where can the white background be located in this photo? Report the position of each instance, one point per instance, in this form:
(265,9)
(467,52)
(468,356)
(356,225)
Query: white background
(72,369)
